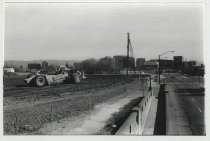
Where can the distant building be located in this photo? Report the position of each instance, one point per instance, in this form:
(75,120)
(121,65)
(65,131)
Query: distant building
(120,63)
(35,66)
(198,71)
(149,65)
(140,63)
(166,64)
(187,67)
(178,62)
(44,64)
(104,65)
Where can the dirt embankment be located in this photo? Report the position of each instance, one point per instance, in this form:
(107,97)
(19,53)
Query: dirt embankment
(114,123)
(26,109)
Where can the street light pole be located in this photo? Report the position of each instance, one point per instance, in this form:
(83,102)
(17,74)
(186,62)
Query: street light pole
(159,63)
(159,70)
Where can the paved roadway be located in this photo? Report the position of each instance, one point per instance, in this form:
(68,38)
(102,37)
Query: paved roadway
(184,106)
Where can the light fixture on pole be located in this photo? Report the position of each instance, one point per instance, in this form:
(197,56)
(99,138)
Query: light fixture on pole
(159,62)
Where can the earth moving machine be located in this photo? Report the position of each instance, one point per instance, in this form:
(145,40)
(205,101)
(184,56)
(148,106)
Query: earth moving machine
(63,75)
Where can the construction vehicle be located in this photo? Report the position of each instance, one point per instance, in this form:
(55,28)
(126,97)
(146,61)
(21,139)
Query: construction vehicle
(63,75)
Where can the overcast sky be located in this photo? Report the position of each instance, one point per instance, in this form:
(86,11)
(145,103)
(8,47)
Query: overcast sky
(90,30)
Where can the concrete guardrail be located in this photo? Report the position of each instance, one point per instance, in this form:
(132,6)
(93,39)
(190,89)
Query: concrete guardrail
(136,121)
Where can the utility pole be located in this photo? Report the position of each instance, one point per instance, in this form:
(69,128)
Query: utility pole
(128,43)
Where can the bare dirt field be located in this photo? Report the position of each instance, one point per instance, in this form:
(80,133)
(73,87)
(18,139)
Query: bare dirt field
(26,108)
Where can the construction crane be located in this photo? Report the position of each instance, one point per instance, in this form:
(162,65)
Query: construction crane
(129,51)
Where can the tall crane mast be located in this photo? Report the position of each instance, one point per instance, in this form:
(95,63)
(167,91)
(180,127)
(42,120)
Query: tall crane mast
(130,52)
(128,44)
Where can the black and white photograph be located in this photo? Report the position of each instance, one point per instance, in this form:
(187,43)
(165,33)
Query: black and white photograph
(124,69)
